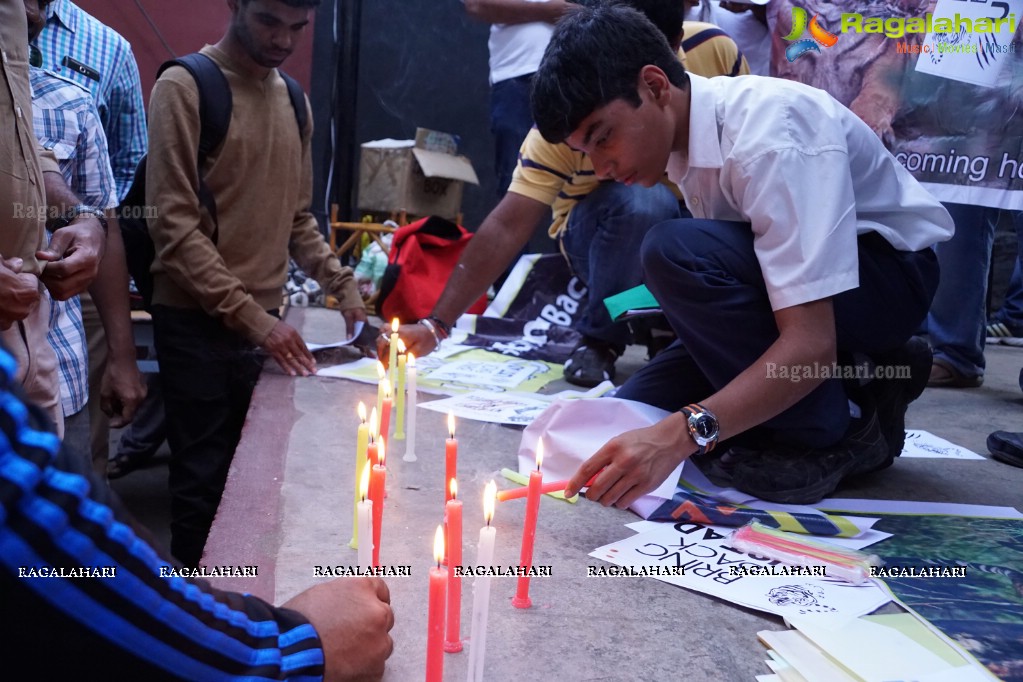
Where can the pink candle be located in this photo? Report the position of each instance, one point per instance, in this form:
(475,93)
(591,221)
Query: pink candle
(435,615)
(453,514)
(521,599)
(450,457)
(545,489)
(385,411)
(377,480)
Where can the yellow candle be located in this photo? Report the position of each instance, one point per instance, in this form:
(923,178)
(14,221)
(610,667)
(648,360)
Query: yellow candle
(399,394)
(361,443)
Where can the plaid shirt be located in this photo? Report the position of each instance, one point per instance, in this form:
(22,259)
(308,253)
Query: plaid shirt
(66,122)
(74,44)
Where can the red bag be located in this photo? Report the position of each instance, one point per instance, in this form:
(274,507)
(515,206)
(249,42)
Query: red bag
(423,256)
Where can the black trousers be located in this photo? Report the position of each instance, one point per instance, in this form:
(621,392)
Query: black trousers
(208,374)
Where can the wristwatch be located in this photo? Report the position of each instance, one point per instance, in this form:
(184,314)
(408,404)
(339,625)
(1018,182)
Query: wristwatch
(81,209)
(703,426)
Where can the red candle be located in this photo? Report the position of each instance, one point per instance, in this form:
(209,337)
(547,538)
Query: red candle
(545,489)
(453,513)
(371,447)
(435,615)
(521,599)
(385,411)
(450,457)
(377,480)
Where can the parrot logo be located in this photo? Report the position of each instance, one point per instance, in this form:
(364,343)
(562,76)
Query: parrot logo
(818,35)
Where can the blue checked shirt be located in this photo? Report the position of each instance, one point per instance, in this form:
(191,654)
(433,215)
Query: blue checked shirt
(77,46)
(66,122)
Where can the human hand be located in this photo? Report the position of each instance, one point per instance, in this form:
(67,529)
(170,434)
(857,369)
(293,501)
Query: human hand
(634,463)
(19,292)
(71,261)
(288,349)
(353,617)
(121,391)
(417,338)
(352,317)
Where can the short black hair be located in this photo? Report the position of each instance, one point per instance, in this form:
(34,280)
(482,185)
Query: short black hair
(666,15)
(594,58)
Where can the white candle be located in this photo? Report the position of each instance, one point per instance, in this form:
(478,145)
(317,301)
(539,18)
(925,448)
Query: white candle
(410,429)
(481,588)
(365,518)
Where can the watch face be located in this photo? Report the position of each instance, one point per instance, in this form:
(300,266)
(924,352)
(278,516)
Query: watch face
(706,426)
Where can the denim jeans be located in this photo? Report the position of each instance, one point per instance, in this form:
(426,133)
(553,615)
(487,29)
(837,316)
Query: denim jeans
(1011,312)
(958,315)
(602,241)
(707,277)
(510,121)
(208,373)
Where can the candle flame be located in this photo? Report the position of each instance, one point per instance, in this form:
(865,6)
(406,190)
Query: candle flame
(387,387)
(362,412)
(539,453)
(380,450)
(401,346)
(438,545)
(381,372)
(394,326)
(451,424)
(489,498)
(373,421)
(453,486)
(364,484)
(411,360)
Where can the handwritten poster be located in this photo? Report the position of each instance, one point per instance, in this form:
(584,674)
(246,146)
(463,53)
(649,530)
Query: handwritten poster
(710,566)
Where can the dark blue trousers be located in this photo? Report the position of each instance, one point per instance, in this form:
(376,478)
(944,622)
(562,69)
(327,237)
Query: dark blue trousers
(708,280)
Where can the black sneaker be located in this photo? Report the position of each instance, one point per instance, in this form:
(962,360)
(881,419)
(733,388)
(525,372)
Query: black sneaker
(891,396)
(1006,447)
(1005,333)
(591,363)
(804,476)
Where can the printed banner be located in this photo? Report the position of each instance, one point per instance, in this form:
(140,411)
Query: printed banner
(941,82)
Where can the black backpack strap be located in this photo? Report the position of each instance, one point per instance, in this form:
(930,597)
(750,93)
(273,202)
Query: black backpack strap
(214,116)
(297,97)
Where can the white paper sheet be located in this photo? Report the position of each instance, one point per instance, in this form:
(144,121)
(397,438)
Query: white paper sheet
(704,553)
(320,346)
(926,444)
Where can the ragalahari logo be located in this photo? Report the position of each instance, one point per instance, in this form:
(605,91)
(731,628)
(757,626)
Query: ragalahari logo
(818,35)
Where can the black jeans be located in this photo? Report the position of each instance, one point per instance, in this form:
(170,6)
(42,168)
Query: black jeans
(208,374)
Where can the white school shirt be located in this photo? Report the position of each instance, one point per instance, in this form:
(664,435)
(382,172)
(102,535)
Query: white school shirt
(807,174)
(517,49)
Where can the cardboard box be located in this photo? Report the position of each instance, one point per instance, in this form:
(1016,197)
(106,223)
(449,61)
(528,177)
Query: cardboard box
(424,176)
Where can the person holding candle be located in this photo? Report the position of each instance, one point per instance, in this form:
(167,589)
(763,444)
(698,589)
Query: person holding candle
(50,504)
(770,286)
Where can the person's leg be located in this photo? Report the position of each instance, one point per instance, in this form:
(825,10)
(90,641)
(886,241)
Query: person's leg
(144,436)
(510,121)
(207,374)
(602,243)
(956,323)
(1006,325)
(99,422)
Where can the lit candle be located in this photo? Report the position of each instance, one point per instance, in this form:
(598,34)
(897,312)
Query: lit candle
(361,441)
(521,599)
(393,355)
(385,413)
(481,588)
(545,489)
(435,614)
(377,483)
(450,457)
(365,514)
(399,394)
(410,444)
(453,514)
(381,375)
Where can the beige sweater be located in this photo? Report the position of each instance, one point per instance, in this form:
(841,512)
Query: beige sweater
(262,180)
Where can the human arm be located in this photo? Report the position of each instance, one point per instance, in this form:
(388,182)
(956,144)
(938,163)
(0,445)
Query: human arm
(19,292)
(637,461)
(71,261)
(499,239)
(139,621)
(516,11)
